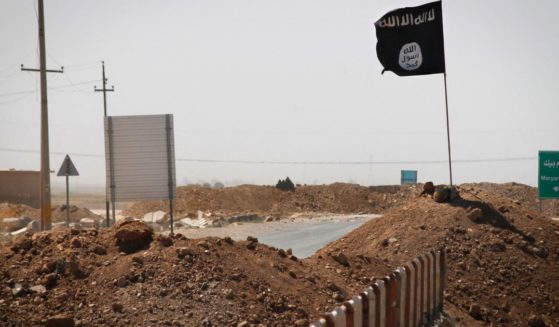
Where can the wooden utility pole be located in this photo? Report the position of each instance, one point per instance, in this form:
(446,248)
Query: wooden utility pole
(46,212)
(105,90)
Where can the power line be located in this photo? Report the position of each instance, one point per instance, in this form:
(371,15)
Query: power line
(8,68)
(53,152)
(328,163)
(23,97)
(67,77)
(350,163)
(50,88)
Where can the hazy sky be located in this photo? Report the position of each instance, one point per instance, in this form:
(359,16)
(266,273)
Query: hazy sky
(294,81)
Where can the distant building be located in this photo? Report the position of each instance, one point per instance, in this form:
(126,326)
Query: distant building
(20,187)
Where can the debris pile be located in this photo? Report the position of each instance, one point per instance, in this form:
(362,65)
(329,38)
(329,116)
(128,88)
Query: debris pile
(127,276)
(268,201)
(16,219)
(503,258)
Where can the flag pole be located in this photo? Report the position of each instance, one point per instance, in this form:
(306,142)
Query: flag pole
(446,103)
(447,129)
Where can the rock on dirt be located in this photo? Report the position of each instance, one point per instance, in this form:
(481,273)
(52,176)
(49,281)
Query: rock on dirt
(17,290)
(341,258)
(61,320)
(474,214)
(133,235)
(475,311)
(428,188)
(536,321)
(39,289)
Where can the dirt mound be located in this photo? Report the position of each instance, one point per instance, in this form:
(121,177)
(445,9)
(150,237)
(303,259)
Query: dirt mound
(525,195)
(503,257)
(82,276)
(76,214)
(269,201)
(8,210)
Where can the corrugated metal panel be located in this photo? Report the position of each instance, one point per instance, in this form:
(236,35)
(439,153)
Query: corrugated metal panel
(143,153)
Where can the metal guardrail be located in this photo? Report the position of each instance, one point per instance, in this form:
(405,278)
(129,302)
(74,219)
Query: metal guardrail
(411,296)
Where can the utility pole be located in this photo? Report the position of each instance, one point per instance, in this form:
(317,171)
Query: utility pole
(105,90)
(46,211)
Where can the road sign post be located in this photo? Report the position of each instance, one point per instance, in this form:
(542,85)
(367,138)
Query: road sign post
(67,169)
(548,176)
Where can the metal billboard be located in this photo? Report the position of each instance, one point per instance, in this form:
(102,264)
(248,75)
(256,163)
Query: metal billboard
(140,157)
(408,177)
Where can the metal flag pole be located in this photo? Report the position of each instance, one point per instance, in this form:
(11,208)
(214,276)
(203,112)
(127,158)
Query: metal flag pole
(446,104)
(447,129)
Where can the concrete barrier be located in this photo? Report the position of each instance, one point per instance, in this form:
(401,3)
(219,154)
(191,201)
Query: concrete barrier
(321,322)
(410,296)
(401,277)
(339,315)
(437,295)
(354,311)
(423,281)
(429,266)
(379,288)
(372,299)
(417,298)
(442,281)
(391,299)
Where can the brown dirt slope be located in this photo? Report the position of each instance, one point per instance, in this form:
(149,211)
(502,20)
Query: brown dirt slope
(503,257)
(267,200)
(127,276)
(525,194)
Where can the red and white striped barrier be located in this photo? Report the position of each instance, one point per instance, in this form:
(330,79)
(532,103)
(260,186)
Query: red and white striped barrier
(409,297)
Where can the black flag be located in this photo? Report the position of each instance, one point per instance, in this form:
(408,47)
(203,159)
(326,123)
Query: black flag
(410,40)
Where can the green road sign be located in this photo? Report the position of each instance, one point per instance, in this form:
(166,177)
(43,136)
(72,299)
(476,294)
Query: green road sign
(548,179)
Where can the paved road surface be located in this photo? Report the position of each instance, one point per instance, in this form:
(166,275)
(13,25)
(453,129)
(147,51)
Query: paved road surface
(303,235)
(305,238)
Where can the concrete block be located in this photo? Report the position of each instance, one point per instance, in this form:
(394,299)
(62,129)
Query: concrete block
(88,223)
(156,217)
(14,223)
